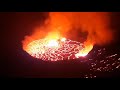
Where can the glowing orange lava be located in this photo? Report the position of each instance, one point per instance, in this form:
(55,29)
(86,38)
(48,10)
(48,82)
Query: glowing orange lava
(57,48)
(84,51)
(54,47)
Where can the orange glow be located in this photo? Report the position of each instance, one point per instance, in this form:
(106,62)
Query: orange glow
(52,43)
(52,38)
(53,35)
(84,51)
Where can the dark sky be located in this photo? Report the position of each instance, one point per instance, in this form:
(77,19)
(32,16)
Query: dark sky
(17,63)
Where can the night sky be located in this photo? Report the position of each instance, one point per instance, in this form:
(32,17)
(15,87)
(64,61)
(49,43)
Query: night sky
(17,63)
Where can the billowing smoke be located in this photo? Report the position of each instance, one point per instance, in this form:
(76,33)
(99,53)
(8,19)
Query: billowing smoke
(71,24)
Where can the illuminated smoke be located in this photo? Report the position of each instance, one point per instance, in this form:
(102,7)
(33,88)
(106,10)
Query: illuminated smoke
(96,24)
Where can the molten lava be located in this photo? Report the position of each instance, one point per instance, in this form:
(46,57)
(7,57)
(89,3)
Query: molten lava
(56,49)
(84,51)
